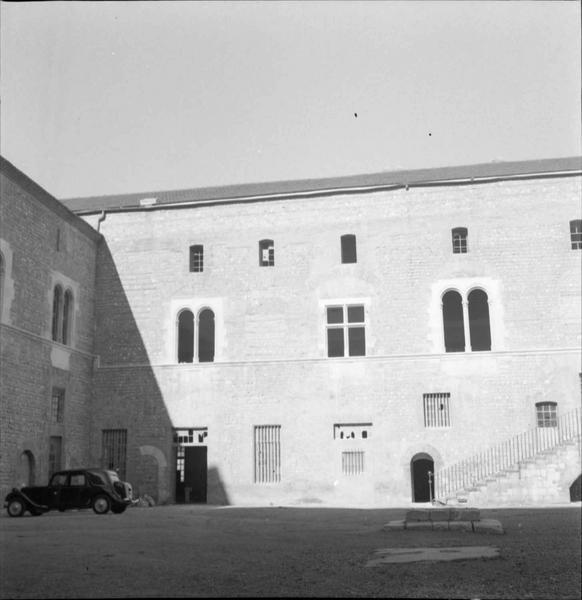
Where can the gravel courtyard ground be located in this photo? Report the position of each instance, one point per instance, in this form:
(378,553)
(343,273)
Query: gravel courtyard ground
(202,551)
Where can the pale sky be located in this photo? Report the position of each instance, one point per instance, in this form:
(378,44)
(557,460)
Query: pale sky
(112,97)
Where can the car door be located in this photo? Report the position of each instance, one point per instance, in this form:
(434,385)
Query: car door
(53,491)
(71,492)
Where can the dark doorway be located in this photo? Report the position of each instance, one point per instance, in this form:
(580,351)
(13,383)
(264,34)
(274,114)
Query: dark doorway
(192,474)
(420,466)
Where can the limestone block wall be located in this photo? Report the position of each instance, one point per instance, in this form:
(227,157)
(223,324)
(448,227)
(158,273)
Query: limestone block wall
(42,244)
(271,364)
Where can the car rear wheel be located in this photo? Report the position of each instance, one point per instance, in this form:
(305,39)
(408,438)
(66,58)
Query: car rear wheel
(15,508)
(101,504)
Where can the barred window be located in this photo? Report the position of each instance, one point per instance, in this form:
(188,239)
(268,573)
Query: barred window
(55,453)
(266,253)
(57,405)
(436,410)
(196,258)
(547,414)
(346,328)
(353,462)
(114,450)
(267,453)
(576,234)
(459,236)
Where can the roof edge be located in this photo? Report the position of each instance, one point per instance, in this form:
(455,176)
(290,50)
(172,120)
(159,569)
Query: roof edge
(351,184)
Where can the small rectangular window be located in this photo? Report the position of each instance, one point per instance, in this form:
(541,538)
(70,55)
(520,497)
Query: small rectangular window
(266,253)
(196,258)
(353,462)
(267,453)
(55,454)
(547,414)
(348,243)
(346,329)
(576,234)
(114,450)
(459,240)
(436,410)
(57,405)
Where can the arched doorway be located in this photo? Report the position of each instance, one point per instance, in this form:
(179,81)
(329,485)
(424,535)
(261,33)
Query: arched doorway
(26,468)
(420,466)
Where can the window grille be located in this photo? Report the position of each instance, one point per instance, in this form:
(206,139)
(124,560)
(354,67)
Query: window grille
(346,328)
(196,258)
(114,450)
(353,462)
(266,253)
(547,414)
(55,454)
(436,410)
(348,243)
(459,240)
(576,234)
(267,453)
(57,405)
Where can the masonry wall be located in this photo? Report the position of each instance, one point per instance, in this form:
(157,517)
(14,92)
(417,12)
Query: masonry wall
(32,364)
(271,365)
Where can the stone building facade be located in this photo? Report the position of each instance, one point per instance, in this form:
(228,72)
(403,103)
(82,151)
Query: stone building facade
(324,342)
(47,268)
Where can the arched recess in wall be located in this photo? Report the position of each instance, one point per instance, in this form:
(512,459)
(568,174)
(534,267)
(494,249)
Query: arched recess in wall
(162,493)
(206,335)
(27,468)
(2,278)
(57,313)
(422,477)
(453,325)
(479,325)
(67,316)
(185,336)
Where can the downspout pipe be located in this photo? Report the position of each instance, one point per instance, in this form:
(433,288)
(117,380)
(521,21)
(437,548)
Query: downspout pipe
(100,219)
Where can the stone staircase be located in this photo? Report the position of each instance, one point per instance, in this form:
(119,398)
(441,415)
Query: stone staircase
(535,467)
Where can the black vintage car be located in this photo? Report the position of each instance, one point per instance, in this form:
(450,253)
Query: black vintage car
(99,489)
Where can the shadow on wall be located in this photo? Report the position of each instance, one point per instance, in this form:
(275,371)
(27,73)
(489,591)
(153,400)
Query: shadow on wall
(575,492)
(216,491)
(128,412)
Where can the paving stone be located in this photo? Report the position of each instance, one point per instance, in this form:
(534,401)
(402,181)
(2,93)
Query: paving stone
(460,526)
(465,514)
(394,525)
(488,526)
(418,515)
(426,525)
(440,525)
(406,555)
(440,514)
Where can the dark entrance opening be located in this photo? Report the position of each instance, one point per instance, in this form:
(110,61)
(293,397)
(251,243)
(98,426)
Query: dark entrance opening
(420,466)
(191,474)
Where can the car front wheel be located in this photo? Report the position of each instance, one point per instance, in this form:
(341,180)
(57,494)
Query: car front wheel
(118,509)
(15,508)
(101,505)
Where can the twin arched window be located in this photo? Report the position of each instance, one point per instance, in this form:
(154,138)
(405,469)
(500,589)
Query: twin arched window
(62,315)
(187,346)
(457,314)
